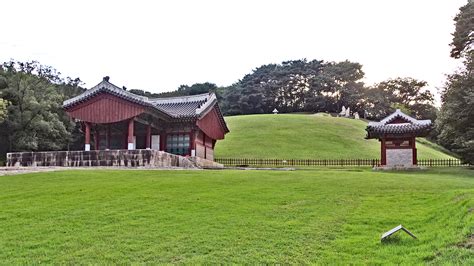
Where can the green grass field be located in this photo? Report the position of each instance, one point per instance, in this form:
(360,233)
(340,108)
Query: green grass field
(302,136)
(306,216)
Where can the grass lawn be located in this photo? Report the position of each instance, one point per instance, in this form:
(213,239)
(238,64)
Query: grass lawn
(303,136)
(307,216)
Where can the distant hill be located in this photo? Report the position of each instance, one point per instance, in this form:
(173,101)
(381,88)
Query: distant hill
(305,136)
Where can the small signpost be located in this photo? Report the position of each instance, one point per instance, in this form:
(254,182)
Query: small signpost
(394,230)
(275,111)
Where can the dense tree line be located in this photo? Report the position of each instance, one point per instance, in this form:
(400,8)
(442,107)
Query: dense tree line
(32,118)
(318,86)
(455,123)
(314,86)
(183,90)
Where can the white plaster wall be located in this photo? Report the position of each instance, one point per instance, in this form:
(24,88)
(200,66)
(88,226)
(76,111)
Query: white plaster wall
(155,142)
(399,157)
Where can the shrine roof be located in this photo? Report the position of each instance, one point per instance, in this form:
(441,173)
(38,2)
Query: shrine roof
(193,106)
(398,123)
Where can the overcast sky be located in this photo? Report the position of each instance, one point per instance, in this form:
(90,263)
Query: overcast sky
(159,45)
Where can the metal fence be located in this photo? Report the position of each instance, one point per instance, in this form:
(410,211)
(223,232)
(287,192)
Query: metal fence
(328,162)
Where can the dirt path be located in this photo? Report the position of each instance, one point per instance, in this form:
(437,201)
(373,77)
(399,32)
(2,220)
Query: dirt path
(26,170)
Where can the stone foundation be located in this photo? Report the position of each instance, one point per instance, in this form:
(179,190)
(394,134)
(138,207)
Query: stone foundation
(123,158)
(204,163)
(403,168)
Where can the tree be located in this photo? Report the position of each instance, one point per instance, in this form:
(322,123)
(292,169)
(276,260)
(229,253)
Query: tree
(35,118)
(401,93)
(463,37)
(455,122)
(342,85)
(184,90)
(296,86)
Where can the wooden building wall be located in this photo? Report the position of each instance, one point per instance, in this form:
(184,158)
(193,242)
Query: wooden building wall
(105,108)
(204,146)
(211,125)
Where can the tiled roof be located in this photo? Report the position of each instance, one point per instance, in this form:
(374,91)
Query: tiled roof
(106,86)
(411,126)
(185,106)
(193,106)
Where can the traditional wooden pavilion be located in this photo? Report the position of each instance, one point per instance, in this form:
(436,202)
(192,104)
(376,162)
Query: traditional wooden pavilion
(397,135)
(118,119)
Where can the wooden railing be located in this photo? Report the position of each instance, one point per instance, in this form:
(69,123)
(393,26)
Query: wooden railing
(328,162)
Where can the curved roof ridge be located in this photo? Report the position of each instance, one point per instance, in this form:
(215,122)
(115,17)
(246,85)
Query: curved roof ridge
(105,85)
(397,113)
(182,99)
(206,106)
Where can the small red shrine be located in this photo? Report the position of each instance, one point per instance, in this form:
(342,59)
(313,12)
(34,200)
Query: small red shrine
(118,119)
(397,135)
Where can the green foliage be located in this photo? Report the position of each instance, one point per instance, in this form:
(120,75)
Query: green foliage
(463,37)
(456,119)
(236,217)
(3,109)
(35,119)
(407,94)
(183,90)
(296,86)
(318,86)
(298,136)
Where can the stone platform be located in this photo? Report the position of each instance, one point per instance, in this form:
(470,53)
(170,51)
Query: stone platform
(399,168)
(119,158)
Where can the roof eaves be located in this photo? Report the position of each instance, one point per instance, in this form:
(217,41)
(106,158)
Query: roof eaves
(105,86)
(398,113)
(206,106)
(180,99)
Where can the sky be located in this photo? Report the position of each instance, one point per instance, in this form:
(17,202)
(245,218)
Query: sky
(159,45)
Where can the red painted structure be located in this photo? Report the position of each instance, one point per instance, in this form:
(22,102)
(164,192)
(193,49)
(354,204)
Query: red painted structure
(188,125)
(397,135)
(99,109)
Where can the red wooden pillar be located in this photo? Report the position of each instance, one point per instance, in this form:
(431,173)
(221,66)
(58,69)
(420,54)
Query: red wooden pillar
(96,140)
(108,137)
(413,147)
(148,137)
(125,136)
(383,152)
(130,135)
(163,141)
(87,145)
(205,144)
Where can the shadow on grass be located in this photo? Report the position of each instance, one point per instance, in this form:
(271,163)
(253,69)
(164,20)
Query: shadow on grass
(397,240)
(392,240)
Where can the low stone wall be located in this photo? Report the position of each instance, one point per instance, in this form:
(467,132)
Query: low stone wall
(124,158)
